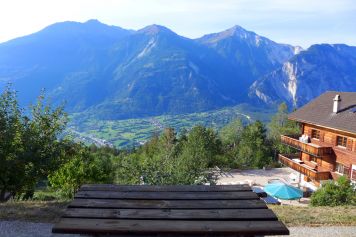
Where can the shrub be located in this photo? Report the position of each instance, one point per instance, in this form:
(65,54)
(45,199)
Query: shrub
(82,168)
(338,193)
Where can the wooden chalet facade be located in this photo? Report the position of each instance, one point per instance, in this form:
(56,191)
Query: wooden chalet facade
(327,145)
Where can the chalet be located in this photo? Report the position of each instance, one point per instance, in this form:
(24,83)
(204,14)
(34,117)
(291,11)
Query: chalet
(327,146)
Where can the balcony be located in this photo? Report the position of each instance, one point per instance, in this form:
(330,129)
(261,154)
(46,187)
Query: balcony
(293,162)
(310,148)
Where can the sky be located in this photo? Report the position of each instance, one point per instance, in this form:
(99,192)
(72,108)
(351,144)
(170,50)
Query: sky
(297,22)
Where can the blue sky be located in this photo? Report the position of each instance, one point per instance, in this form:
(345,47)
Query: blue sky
(302,22)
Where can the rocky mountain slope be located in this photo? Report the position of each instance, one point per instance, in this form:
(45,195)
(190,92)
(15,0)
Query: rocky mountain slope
(252,54)
(155,71)
(114,73)
(307,75)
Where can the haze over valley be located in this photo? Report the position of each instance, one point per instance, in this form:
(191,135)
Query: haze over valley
(107,74)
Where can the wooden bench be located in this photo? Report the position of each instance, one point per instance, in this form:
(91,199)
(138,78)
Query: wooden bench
(142,210)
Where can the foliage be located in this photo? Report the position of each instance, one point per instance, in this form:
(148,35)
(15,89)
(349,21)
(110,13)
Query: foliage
(29,148)
(281,125)
(32,152)
(168,159)
(254,150)
(82,167)
(231,133)
(338,193)
(245,146)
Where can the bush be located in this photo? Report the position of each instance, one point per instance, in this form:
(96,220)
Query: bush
(337,193)
(46,195)
(83,167)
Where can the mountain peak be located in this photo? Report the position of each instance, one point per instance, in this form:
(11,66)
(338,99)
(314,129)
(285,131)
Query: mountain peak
(233,32)
(93,22)
(155,29)
(236,31)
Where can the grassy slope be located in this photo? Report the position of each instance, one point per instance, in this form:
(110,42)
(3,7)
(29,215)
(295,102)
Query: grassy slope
(131,132)
(50,211)
(316,216)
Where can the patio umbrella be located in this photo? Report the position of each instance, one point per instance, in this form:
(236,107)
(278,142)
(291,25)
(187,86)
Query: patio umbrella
(283,191)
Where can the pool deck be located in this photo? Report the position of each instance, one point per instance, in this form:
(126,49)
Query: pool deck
(260,177)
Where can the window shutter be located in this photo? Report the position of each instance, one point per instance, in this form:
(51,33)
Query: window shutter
(349,144)
(321,136)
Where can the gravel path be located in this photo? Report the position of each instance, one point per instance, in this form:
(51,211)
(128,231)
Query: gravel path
(28,229)
(323,231)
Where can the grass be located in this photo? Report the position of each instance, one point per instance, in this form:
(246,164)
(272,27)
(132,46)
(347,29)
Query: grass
(316,216)
(34,211)
(50,212)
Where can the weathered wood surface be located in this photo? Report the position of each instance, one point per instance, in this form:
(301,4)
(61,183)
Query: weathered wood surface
(168,204)
(165,188)
(190,211)
(142,227)
(167,195)
(182,214)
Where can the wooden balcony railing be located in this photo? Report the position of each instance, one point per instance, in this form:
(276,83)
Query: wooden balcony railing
(303,168)
(310,148)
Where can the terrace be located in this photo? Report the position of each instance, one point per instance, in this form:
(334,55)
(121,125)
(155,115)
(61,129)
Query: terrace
(310,148)
(293,161)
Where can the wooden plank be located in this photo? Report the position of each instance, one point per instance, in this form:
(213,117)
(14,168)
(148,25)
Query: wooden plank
(168,195)
(164,188)
(175,214)
(161,227)
(168,204)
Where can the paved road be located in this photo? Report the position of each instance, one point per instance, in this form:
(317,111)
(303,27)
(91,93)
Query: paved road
(28,229)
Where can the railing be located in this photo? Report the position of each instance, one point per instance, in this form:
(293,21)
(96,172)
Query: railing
(310,148)
(302,168)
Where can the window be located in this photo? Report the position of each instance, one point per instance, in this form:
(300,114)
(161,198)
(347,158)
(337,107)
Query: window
(340,168)
(341,141)
(315,134)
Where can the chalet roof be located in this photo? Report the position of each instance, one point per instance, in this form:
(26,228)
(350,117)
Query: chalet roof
(320,112)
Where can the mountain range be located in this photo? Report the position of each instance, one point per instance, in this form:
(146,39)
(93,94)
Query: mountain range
(115,73)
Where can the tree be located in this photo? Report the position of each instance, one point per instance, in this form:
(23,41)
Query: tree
(13,165)
(166,159)
(231,133)
(203,146)
(230,136)
(253,150)
(42,146)
(29,146)
(279,125)
(341,192)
